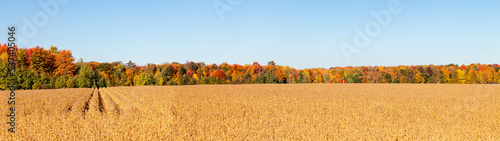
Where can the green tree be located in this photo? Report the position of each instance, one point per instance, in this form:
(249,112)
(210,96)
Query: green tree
(143,78)
(168,72)
(184,79)
(355,76)
(27,78)
(270,78)
(70,83)
(39,80)
(102,83)
(387,77)
(271,63)
(85,76)
(300,77)
(4,75)
(115,79)
(53,50)
(20,72)
(182,70)
(60,82)
(130,64)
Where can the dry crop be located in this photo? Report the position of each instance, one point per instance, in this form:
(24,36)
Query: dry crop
(257,112)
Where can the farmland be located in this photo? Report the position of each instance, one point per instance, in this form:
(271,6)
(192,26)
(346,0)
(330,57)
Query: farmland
(256,112)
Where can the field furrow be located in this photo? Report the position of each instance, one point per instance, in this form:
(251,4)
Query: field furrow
(80,106)
(93,104)
(69,99)
(110,107)
(126,107)
(100,102)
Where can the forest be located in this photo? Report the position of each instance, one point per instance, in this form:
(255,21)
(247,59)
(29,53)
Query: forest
(40,68)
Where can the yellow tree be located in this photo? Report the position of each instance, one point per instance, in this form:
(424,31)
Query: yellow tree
(316,76)
(445,75)
(480,79)
(318,79)
(177,78)
(418,78)
(159,78)
(497,77)
(307,76)
(196,78)
(234,77)
(4,56)
(130,77)
(331,76)
(461,76)
(251,71)
(203,72)
(473,76)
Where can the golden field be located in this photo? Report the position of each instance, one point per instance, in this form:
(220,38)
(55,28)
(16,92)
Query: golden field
(258,112)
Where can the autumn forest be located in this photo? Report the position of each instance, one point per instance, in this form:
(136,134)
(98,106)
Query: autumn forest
(39,68)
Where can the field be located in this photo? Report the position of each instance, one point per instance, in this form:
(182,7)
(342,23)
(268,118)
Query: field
(258,112)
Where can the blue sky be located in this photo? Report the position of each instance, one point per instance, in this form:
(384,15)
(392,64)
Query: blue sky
(300,34)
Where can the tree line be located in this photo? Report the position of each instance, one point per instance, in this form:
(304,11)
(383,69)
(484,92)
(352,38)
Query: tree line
(39,68)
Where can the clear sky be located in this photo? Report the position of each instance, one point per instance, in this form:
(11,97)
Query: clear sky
(297,33)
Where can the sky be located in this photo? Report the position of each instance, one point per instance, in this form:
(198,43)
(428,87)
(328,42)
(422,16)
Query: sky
(298,33)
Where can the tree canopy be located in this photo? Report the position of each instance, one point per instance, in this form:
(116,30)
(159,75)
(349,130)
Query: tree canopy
(53,68)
